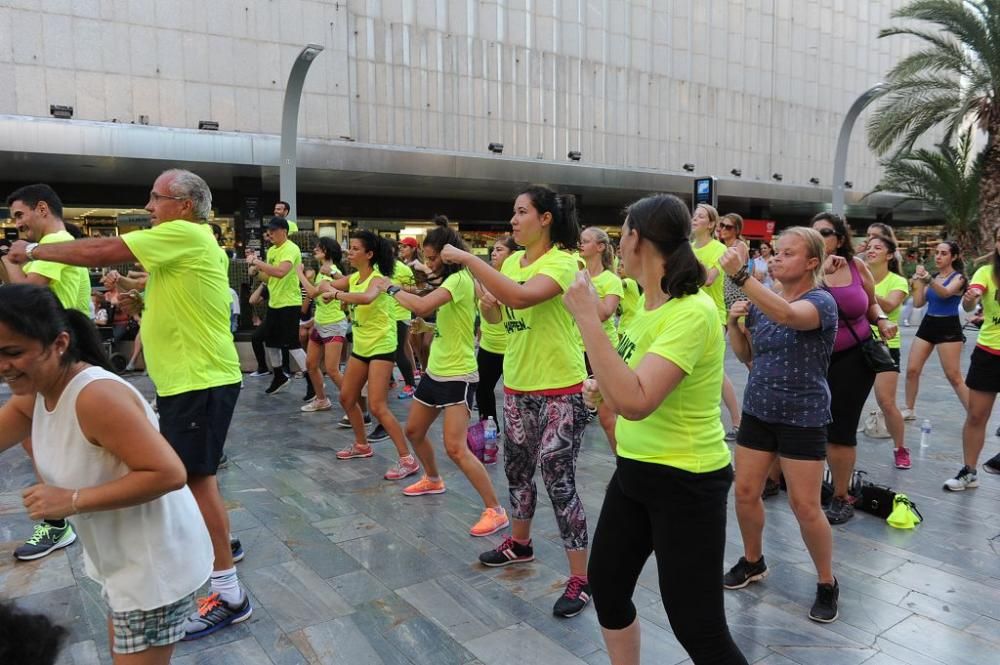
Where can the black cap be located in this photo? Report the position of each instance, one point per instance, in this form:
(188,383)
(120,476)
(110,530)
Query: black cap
(278,223)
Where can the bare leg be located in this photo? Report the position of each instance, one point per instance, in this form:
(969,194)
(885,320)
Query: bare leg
(213,510)
(974,429)
(885,394)
(751,471)
(331,360)
(841,460)
(419,420)
(950,355)
(379,373)
(920,351)
(350,393)
(313,359)
(804,478)
(577,562)
(456,424)
(623,645)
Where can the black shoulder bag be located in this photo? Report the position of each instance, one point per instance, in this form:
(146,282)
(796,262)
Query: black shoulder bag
(875,351)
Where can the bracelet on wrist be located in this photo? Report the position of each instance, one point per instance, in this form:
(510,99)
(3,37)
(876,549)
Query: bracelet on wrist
(741,276)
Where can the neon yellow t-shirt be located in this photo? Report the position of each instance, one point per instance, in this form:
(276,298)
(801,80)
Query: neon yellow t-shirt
(607,283)
(542,353)
(70,284)
(403,276)
(989,334)
(284,291)
(185,324)
(453,352)
(892,282)
(292,226)
(709,256)
(327,312)
(629,304)
(493,336)
(373,325)
(685,431)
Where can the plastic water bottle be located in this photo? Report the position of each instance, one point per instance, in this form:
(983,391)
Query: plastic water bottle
(490,441)
(925,433)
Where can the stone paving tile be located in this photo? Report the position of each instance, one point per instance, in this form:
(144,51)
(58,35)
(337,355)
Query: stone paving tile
(342,568)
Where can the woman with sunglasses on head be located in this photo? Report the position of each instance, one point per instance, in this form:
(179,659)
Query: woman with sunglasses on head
(450,381)
(983,378)
(668,493)
(850,378)
(543,373)
(941,327)
(891,289)
(374,350)
(493,338)
(708,251)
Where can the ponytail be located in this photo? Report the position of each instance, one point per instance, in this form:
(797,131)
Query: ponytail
(440,236)
(33,311)
(608,253)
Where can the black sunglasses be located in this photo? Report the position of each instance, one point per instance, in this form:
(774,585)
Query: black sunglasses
(826,233)
(727,226)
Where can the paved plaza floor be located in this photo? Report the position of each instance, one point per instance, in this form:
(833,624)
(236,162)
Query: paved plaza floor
(343,569)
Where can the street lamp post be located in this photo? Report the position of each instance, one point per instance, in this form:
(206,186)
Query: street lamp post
(290,125)
(843,141)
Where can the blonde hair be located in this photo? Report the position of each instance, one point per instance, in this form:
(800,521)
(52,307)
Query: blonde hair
(814,248)
(608,253)
(713,215)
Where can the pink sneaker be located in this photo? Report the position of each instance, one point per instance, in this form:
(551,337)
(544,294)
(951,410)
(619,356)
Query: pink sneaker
(406,466)
(902,456)
(355,452)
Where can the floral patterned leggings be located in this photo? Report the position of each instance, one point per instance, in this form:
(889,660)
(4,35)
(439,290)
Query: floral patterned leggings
(546,431)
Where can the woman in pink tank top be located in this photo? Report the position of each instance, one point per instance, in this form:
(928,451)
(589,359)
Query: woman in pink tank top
(851,284)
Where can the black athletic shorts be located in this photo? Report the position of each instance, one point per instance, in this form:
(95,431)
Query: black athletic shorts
(196,424)
(439,394)
(984,371)
(388,357)
(940,329)
(801,443)
(895,358)
(281,327)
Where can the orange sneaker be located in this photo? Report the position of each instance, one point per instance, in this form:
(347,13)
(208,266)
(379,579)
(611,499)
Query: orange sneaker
(490,522)
(425,486)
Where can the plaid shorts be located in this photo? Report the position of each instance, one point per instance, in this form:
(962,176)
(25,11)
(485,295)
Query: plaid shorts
(138,630)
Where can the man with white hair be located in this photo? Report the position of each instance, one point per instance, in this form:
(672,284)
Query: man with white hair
(189,352)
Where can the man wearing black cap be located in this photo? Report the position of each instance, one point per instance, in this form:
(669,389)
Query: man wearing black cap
(281,324)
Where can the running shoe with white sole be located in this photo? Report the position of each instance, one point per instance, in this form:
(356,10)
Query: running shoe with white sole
(404,467)
(45,540)
(491,521)
(214,614)
(317,405)
(506,553)
(574,598)
(744,573)
(966,479)
(425,486)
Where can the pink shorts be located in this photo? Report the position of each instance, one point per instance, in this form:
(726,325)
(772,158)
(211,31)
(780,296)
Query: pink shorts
(328,333)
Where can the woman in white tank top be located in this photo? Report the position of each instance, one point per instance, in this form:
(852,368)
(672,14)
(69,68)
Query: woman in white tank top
(103,465)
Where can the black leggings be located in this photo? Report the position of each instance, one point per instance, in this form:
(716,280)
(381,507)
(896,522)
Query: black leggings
(257,344)
(681,516)
(490,371)
(402,362)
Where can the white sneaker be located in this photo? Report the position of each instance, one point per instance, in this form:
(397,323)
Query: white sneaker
(965,479)
(317,405)
(909,415)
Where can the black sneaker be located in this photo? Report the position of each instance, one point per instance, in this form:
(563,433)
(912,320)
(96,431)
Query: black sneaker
(237,547)
(378,434)
(771,488)
(45,540)
(743,573)
(992,465)
(839,511)
(506,553)
(824,609)
(345,422)
(277,383)
(574,598)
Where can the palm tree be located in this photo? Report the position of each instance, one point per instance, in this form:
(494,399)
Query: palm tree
(947,178)
(952,80)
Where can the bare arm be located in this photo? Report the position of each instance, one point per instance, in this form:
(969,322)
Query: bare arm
(278,271)
(609,304)
(85,252)
(955,287)
(712,275)
(15,420)
(919,292)
(111,417)
(739,338)
(516,296)
(892,300)
(423,306)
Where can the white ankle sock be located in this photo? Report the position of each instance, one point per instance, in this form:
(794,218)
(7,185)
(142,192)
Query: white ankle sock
(227,585)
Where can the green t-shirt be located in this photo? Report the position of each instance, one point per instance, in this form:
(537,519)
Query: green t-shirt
(629,304)
(403,276)
(453,352)
(373,325)
(989,334)
(185,325)
(685,431)
(542,353)
(70,284)
(709,256)
(892,282)
(327,312)
(609,284)
(284,291)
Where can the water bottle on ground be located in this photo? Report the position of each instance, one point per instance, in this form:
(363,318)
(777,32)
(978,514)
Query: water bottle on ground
(925,433)
(490,443)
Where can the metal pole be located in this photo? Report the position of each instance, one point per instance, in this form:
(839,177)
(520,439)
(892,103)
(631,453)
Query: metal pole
(843,141)
(290,125)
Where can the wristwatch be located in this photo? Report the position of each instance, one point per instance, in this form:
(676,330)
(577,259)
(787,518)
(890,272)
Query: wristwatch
(393,290)
(881,317)
(29,250)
